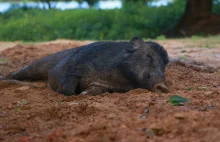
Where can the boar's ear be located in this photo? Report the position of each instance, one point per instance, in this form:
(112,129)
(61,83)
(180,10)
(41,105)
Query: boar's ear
(136,43)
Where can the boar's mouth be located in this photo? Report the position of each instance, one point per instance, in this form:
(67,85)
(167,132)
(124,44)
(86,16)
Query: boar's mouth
(160,88)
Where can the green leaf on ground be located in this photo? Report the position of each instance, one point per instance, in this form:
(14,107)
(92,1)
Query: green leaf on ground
(189,89)
(58,102)
(178,100)
(18,108)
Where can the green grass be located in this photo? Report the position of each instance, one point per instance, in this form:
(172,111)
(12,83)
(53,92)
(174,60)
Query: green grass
(161,37)
(195,37)
(92,24)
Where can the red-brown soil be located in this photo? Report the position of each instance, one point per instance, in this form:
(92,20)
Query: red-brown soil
(36,115)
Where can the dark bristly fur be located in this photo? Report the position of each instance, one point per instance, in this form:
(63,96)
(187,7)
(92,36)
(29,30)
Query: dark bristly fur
(100,67)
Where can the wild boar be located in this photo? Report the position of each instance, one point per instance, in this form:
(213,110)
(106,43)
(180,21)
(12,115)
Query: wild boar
(101,67)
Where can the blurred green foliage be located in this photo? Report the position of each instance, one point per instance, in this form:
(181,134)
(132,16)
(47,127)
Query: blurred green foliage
(216,7)
(94,24)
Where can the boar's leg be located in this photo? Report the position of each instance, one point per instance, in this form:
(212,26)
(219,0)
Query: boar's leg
(94,90)
(69,86)
(63,85)
(38,69)
(22,83)
(62,77)
(9,80)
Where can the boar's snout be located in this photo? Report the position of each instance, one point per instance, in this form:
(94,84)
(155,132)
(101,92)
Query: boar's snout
(161,88)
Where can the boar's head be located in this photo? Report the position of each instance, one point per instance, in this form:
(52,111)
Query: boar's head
(145,65)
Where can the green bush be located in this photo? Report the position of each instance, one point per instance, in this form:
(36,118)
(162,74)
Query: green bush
(216,7)
(43,25)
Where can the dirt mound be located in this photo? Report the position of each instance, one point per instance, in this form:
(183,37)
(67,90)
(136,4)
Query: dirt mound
(21,55)
(31,114)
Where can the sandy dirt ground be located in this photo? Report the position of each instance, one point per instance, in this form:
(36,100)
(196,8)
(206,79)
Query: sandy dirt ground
(37,115)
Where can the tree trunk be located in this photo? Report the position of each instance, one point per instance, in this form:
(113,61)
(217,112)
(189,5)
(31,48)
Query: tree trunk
(48,4)
(197,19)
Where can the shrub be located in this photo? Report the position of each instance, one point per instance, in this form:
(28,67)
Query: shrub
(43,25)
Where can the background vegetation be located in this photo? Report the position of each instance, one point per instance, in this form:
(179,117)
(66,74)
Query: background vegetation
(42,25)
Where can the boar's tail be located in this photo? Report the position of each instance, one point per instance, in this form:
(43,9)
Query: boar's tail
(9,80)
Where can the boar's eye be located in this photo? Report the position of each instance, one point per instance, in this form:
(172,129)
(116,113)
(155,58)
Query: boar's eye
(151,58)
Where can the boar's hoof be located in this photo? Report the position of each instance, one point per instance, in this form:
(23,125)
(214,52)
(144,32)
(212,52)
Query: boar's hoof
(161,88)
